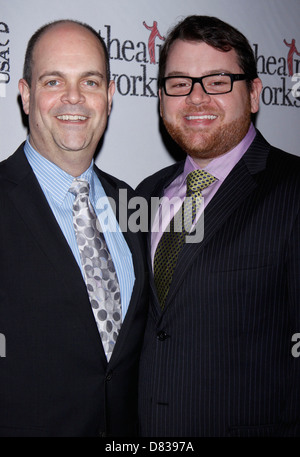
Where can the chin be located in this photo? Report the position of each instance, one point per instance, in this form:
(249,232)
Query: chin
(210,145)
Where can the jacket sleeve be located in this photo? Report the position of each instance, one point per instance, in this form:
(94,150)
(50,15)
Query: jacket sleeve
(290,420)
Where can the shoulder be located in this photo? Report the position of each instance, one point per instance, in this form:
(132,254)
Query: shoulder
(281,177)
(274,163)
(290,161)
(15,168)
(155,182)
(283,166)
(13,160)
(111,183)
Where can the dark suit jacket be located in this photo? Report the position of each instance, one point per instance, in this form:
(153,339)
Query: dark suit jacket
(218,360)
(55,380)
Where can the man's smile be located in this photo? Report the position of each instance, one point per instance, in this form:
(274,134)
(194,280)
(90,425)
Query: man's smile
(71,117)
(201,117)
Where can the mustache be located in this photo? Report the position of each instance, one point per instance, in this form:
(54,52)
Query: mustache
(200,110)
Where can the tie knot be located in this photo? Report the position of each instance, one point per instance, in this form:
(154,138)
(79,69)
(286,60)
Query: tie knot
(79,187)
(198,180)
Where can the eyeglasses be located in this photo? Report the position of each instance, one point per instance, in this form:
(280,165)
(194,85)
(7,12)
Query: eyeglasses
(217,84)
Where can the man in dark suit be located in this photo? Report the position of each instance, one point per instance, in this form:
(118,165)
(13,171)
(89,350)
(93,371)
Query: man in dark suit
(219,354)
(61,305)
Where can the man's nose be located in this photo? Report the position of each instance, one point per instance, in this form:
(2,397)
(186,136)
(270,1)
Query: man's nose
(198,95)
(73,94)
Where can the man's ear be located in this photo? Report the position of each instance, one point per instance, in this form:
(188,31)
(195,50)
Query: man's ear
(24,90)
(111,91)
(160,101)
(255,92)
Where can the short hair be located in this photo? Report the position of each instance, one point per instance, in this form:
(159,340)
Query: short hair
(215,33)
(28,61)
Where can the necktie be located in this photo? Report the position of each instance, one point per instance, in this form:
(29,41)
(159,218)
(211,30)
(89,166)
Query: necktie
(173,238)
(99,271)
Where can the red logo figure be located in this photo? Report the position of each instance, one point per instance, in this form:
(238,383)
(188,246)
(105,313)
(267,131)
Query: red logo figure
(151,42)
(292,50)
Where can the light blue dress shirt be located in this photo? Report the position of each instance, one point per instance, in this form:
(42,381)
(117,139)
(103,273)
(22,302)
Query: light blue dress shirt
(55,184)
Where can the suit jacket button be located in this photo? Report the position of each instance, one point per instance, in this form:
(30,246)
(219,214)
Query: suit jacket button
(109,376)
(162,335)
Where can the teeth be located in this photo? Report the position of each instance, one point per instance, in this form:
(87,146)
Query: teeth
(69,117)
(201,117)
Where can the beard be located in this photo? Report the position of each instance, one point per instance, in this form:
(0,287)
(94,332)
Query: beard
(207,143)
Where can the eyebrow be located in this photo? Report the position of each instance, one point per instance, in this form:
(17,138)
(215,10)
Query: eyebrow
(62,75)
(206,73)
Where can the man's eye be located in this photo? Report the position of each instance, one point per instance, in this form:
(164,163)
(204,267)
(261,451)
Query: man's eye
(182,84)
(91,83)
(52,83)
(218,83)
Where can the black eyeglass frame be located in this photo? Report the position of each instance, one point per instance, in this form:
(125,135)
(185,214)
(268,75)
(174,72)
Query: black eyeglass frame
(233,78)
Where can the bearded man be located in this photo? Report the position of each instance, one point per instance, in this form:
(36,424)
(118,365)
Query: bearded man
(224,309)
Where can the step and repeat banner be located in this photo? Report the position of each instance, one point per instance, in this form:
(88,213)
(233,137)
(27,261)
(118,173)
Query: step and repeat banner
(135,145)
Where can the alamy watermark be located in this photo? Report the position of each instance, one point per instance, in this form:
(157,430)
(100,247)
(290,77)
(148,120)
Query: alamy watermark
(138,215)
(296,347)
(2,345)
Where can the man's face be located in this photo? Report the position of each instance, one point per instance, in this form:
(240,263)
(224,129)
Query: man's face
(206,126)
(68,101)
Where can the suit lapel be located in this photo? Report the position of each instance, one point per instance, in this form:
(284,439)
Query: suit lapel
(168,175)
(235,189)
(137,249)
(33,208)
(30,202)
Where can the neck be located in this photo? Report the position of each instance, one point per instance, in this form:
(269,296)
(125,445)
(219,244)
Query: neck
(72,162)
(201,163)
(74,166)
(74,169)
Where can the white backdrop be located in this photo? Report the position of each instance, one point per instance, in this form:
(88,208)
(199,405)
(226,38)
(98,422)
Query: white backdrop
(133,146)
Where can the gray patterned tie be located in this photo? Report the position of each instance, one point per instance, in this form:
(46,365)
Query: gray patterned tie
(99,271)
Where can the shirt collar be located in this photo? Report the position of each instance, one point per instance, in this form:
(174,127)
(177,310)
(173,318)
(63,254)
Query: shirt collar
(51,177)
